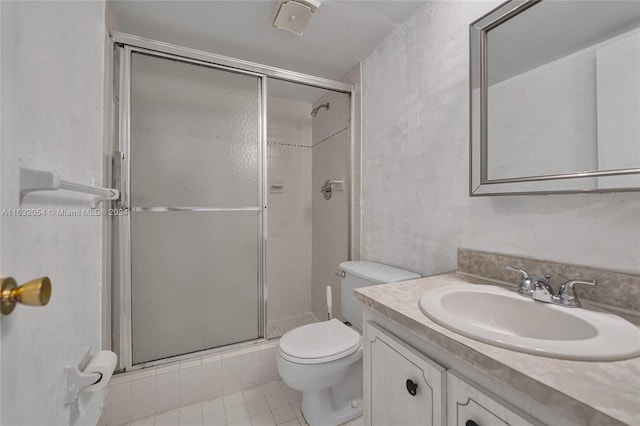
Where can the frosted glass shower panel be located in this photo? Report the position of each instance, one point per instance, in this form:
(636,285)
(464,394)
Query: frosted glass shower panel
(196,214)
(194,135)
(194,280)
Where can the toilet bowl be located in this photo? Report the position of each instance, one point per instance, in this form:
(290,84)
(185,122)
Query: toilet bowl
(324,360)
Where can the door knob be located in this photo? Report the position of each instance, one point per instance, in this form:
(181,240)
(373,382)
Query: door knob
(35,293)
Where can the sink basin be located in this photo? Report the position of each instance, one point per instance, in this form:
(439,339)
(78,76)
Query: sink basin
(503,318)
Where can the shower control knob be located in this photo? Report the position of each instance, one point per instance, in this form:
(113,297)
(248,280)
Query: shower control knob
(471,423)
(412,387)
(340,274)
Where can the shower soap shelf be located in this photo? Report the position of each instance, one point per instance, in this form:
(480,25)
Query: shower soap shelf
(40,180)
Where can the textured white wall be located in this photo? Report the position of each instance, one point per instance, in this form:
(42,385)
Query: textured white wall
(416,211)
(52,118)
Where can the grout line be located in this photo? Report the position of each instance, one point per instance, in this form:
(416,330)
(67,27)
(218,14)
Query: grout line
(329,137)
(288,144)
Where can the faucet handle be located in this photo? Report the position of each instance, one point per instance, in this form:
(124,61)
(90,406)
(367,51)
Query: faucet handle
(526,286)
(524,273)
(567,293)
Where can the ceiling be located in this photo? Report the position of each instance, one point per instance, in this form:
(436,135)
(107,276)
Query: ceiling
(340,34)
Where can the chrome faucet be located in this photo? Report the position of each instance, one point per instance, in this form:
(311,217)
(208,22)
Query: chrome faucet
(543,292)
(538,288)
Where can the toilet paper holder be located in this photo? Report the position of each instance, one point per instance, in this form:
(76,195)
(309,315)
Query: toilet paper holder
(78,380)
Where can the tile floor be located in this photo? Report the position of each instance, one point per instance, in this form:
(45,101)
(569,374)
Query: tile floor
(266,405)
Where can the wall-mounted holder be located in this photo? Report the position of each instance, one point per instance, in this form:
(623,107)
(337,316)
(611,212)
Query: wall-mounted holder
(329,186)
(34,293)
(92,374)
(40,180)
(78,380)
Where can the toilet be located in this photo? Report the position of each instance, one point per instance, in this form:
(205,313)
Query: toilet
(324,360)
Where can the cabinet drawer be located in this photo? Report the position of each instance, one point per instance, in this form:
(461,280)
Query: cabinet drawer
(469,406)
(402,386)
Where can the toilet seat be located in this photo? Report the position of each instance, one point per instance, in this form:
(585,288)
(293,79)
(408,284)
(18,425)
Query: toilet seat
(318,343)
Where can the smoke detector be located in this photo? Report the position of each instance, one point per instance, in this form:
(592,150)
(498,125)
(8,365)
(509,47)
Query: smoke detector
(294,15)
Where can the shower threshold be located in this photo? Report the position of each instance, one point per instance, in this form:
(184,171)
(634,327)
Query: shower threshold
(278,327)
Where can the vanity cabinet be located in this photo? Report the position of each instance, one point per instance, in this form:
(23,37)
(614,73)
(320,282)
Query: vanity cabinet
(469,406)
(440,396)
(406,387)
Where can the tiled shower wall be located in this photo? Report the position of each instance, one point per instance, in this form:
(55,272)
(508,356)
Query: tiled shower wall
(289,214)
(330,217)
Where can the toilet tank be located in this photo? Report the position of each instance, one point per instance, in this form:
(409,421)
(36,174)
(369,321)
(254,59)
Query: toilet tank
(363,274)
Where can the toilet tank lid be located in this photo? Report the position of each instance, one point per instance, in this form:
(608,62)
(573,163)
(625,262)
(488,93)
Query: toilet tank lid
(377,272)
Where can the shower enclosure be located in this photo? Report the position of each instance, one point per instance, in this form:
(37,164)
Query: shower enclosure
(189,258)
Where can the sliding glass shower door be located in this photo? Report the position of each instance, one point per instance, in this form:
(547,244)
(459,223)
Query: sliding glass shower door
(195,185)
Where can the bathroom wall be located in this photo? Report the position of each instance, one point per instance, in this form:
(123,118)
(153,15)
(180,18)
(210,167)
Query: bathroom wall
(330,217)
(52,118)
(110,117)
(289,214)
(354,77)
(416,211)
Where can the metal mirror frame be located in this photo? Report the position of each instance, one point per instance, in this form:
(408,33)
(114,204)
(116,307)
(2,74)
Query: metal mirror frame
(479,183)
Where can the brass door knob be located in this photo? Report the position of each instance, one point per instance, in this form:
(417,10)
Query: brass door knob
(35,293)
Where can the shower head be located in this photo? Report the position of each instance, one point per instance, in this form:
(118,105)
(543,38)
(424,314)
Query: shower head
(314,111)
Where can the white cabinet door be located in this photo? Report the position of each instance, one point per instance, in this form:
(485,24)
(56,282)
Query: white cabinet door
(402,387)
(468,406)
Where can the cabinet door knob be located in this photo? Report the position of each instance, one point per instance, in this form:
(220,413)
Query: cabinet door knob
(412,387)
(471,423)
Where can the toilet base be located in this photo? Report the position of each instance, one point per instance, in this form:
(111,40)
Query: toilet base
(318,409)
(334,405)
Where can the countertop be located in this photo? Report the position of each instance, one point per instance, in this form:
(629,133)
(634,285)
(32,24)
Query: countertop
(586,392)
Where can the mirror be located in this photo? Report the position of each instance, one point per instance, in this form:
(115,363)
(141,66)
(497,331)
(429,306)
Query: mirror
(555,98)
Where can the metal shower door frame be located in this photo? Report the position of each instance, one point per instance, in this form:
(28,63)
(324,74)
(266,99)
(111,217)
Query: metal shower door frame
(125,329)
(127,45)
